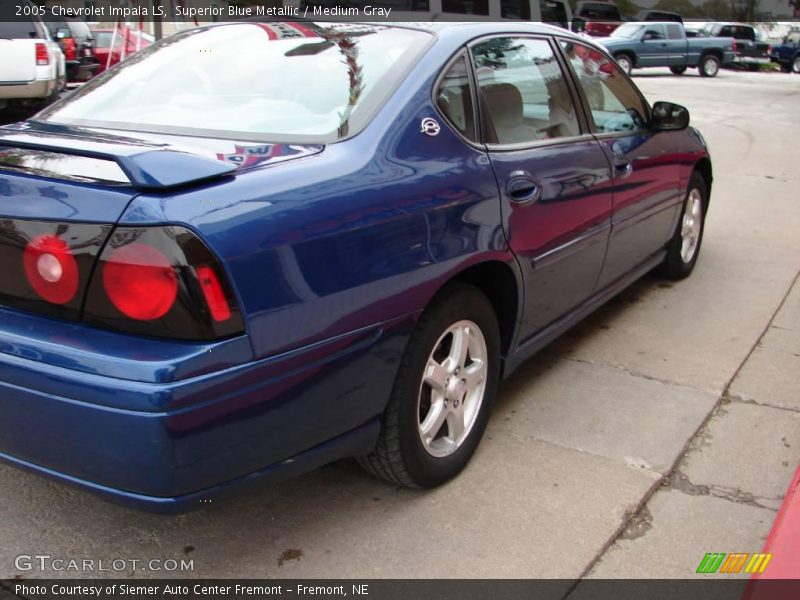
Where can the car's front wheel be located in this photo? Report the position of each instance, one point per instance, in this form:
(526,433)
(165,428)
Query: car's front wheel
(684,247)
(796,65)
(625,62)
(442,394)
(709,66)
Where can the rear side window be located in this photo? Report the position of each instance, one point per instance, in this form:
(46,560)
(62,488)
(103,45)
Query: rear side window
(103,39)
(614,103)
(466,7)
(600,11)
(523,91)
(454,99)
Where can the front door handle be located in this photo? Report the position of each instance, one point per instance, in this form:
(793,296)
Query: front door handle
(522,188)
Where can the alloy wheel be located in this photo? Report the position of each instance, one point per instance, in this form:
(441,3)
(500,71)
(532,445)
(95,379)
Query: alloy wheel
(452,389)
(691,225)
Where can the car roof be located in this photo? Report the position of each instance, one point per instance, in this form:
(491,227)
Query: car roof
(441,24)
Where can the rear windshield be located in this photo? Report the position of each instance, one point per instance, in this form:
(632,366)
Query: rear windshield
(292,82)
(18,30)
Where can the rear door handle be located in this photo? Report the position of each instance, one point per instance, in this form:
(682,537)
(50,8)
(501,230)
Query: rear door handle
(623,167)
(522,188)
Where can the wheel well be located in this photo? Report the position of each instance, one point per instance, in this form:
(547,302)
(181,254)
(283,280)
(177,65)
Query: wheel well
(714,52)
(703,167)
(496,280)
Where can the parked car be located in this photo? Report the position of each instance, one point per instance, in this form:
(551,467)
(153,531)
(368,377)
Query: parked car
(129,41)
(596,18)
(77,44)
(787,54)
(658,15)
(217,272)
(748,50)
(32,69)
(647,44)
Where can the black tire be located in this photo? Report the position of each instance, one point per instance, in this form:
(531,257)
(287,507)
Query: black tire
(400,456)
(785,67)
(625,62)
(675,266)
(678,70)
(753,68)
(796,65)
(709,65)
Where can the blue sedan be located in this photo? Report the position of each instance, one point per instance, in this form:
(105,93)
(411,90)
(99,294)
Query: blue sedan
(253,249)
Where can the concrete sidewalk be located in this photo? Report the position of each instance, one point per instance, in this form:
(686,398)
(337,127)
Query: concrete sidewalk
(724,493)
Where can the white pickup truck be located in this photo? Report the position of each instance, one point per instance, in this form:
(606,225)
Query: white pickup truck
(32,68)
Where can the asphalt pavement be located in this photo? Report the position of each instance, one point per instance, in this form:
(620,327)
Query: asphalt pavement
(664,427)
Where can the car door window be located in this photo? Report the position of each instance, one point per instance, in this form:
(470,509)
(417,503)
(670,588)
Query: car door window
(454,99)
(655,32)
(523,92)
(614,103)
(674,31)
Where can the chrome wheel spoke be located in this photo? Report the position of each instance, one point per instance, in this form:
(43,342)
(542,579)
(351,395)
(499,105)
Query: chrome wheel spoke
(433,421)
(474,374)
(455,426)
(458,348)
(436,376)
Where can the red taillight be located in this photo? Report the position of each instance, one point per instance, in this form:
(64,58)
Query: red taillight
(214,294)
(162,282)
(140,281)
(68,46)
(51,269)
(735,46)
(42,56)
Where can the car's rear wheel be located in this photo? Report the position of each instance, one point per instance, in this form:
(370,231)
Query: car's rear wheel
(443,392)
(678,70)
(796,65)
(709,66)
(625,62)
(684,247)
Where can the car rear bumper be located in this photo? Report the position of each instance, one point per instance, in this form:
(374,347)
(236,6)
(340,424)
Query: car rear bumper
(751,60)
(82,70)
(38,88)
(171,444)
(357,442)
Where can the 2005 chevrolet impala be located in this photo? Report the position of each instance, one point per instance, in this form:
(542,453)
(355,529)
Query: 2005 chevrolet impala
(252,249)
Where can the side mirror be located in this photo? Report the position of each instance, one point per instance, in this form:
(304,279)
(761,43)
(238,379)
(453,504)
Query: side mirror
(62,33)
(669,117)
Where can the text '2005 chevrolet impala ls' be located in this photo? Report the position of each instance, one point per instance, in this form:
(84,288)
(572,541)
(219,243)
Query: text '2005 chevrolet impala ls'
(253,249)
